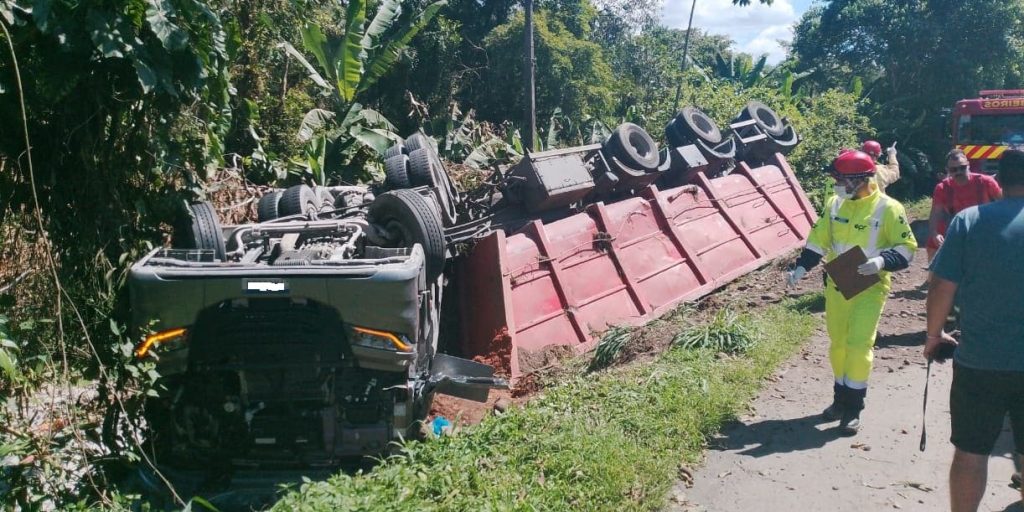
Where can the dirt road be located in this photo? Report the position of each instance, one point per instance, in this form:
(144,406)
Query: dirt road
(782,456)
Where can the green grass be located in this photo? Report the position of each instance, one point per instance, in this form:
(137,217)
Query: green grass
(607,441)
(918,209)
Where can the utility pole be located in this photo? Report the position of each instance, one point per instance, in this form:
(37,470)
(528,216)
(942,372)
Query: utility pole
(531,99)
(686,49)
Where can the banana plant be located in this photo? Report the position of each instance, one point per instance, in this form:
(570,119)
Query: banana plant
(563,131)
(474,143)
(788,89)
(742,69)
(348,65)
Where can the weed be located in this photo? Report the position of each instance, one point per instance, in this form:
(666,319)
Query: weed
(609,347)
(808,303)
(727,332)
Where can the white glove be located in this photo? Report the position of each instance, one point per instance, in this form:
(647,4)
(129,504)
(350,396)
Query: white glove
(872,266)
(795,275)
(939,239)
(891,151)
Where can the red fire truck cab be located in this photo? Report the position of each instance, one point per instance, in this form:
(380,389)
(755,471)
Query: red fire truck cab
(986,126)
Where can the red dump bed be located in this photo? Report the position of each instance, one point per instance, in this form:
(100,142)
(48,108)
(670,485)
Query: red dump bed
(627,262)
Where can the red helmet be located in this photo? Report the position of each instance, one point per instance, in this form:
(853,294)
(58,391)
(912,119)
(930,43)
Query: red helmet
(872,147)
(853,164)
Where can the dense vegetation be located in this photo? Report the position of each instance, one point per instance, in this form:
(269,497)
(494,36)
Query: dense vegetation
(132,107)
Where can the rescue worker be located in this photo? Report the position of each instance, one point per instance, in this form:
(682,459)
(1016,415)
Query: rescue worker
(859,214)
(885,174)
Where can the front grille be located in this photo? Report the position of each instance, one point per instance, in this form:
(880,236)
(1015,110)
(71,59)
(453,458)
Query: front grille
(268,332)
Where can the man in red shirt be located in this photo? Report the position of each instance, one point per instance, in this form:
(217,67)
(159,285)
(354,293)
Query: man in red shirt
(960,190)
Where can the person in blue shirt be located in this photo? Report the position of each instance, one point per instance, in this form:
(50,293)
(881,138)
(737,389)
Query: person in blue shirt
(981,268)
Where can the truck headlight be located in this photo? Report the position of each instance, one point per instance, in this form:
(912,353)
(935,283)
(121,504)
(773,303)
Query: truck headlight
(381,340)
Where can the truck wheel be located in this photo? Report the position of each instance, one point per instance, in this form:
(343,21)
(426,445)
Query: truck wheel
(634,147)
(765,117)
(298,199)
(325,197)
(416,141)
(267,207)
(395,150)
(396,172)
(200,229)
(422,168)
(408,218)
(691,123)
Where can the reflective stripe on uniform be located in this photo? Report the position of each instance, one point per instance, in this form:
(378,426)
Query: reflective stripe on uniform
(903,251)
(832,217)
(876,226)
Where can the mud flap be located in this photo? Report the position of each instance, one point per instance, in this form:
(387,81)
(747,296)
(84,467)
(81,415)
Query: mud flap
(462,378)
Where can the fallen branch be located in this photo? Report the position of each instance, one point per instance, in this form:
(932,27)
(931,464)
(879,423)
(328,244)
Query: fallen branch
(17,280)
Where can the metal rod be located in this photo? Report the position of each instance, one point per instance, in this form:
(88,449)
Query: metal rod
(531,99)
(686,50)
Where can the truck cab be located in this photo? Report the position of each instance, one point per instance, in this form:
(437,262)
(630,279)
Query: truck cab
(986,126)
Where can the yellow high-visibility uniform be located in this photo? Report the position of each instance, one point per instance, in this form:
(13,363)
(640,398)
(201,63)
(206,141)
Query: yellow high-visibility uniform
(875,223)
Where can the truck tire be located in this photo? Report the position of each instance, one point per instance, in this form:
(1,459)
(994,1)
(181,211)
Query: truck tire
(267,207)
(416,141)
(395,150)
(396,172)
(298,199)
(325,197)
(200,229)
(764,116)
(422,168)
(408,218)
(634,147)
(692,123)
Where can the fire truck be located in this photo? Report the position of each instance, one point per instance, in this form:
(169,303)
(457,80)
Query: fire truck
(985,127)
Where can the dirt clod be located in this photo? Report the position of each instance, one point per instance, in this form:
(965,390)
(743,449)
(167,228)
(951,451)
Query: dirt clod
(502,404)
(686,476)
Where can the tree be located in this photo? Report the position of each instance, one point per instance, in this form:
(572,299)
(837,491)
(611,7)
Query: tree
(913,57)
(571,73)
(128,104)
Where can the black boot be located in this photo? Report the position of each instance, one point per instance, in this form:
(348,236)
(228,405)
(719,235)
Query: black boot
(835,411)
(853,404)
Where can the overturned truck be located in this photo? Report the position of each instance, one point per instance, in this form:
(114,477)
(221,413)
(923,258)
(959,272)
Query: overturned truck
(618,233)
(312,335)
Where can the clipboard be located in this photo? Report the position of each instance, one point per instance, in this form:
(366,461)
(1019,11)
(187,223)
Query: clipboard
(843,272)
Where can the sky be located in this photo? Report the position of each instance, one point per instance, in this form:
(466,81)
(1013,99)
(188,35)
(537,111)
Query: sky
(756,28)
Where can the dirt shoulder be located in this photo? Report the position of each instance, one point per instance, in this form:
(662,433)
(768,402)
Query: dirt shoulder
(782,456)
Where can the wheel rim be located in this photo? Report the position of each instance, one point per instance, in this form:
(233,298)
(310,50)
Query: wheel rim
(766,118)
(703,125)
(640,144)
(398,234)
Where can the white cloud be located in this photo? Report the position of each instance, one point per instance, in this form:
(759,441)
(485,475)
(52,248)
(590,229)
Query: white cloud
(767,42)
(756,28)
